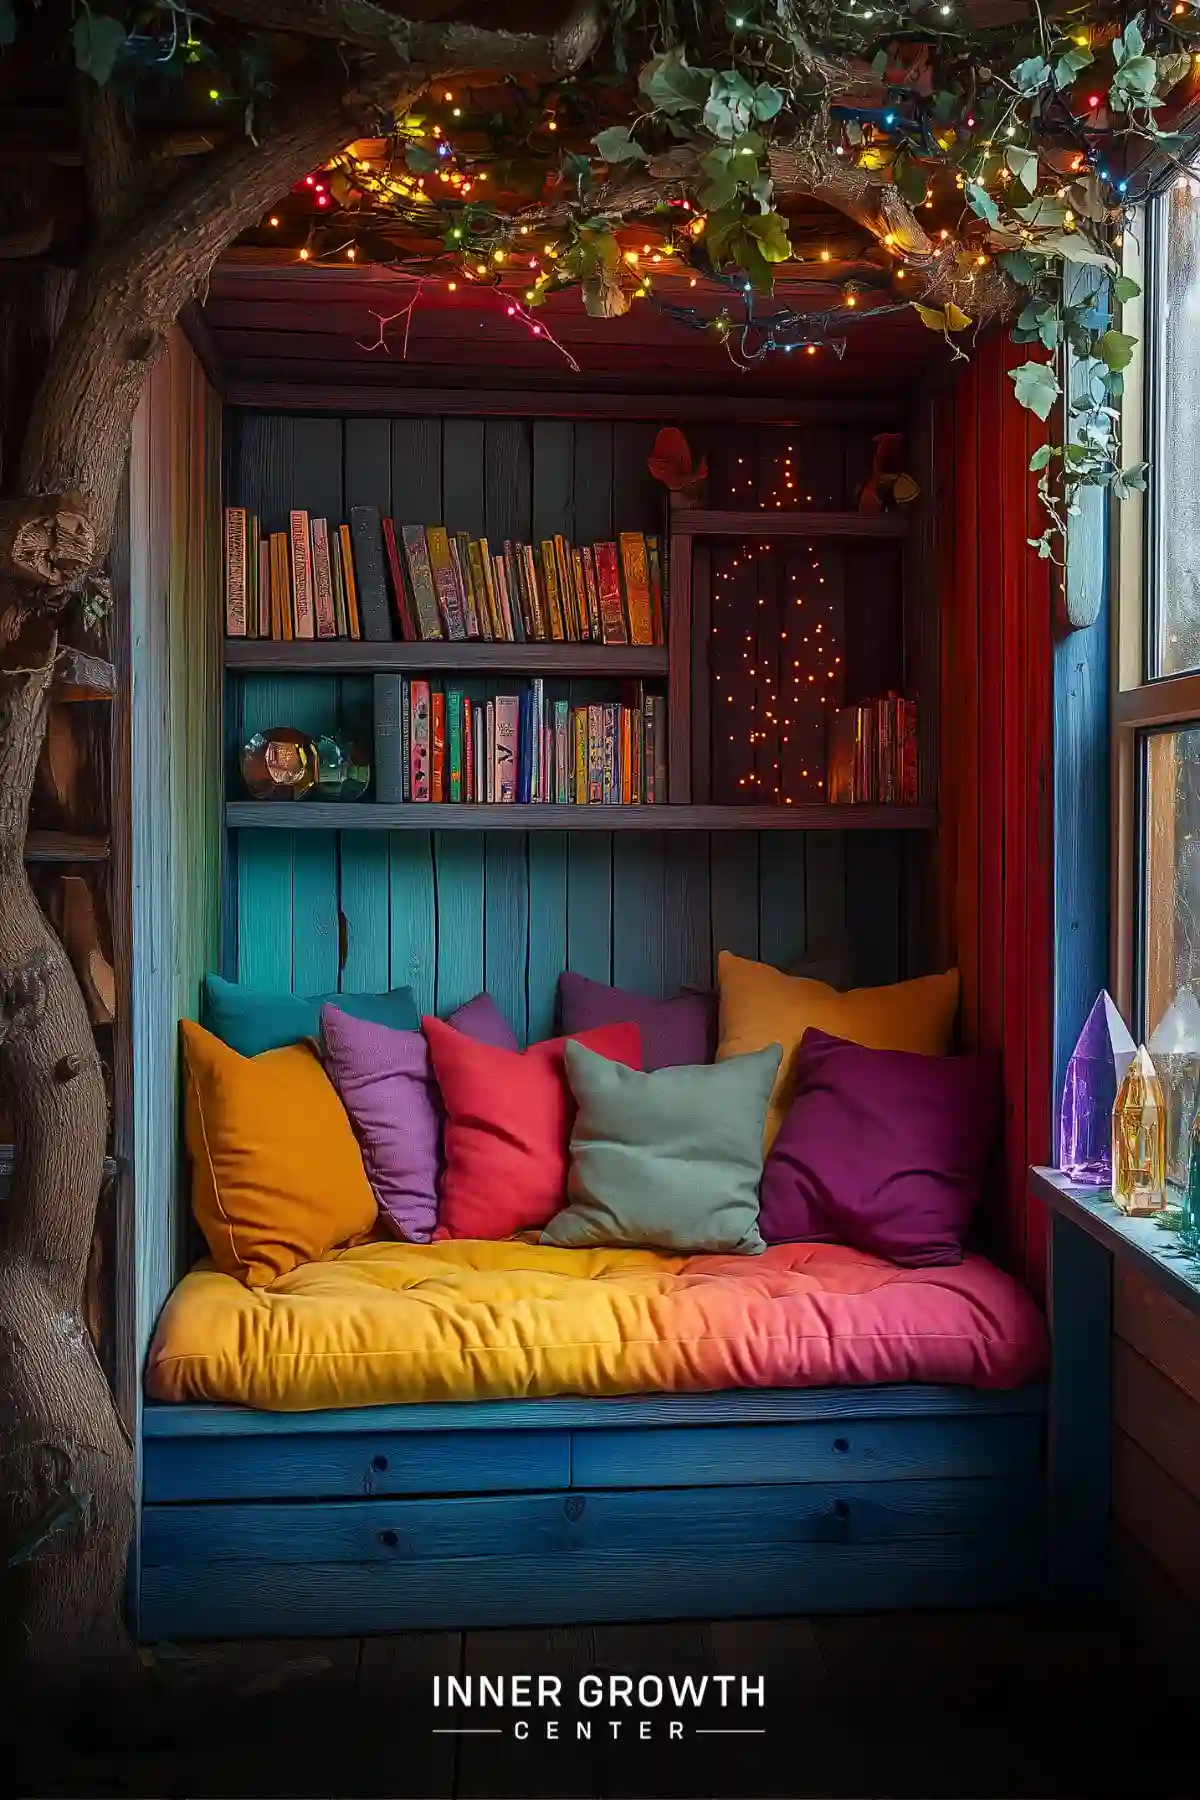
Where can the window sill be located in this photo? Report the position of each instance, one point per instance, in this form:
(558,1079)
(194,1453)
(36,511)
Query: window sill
(1140,1242)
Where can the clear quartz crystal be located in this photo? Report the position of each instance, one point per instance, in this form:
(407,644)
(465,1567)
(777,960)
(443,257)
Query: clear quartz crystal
(1174,1046)
(1138,1141)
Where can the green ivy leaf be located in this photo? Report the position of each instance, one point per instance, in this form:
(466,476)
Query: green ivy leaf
(720,185)
(1115,350)
(1036,387)
(1125,288)
(1076,248)
(770,229)
(671,85)
(1130,481)
(1040,458)
(932,317)
(98,41)
(1018,265)
(615,144)
(1030,75)
(730,105)
(1043,213)
(1070,64)
(767,101)
(1024,165)
(909,180)
(982,204)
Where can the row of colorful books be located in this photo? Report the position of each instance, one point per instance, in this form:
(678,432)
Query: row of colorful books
(436,743)
(419,583)
(873,753)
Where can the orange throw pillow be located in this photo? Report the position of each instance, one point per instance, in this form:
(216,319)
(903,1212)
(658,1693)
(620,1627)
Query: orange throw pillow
(760,1005)
(277,1177)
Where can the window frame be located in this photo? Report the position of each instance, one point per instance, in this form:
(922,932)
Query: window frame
(1140,703)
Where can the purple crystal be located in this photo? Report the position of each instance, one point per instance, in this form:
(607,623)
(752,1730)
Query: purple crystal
(1097,1066)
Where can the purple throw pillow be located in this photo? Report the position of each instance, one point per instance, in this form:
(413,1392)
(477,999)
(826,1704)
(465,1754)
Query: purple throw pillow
(674,1032)
(385,1082)
(883,1150)
(482,1020)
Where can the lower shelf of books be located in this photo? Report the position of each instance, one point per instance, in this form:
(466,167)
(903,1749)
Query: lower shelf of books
(412,815)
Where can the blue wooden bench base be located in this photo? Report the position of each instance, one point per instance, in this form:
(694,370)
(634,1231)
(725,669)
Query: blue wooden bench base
(559,1511)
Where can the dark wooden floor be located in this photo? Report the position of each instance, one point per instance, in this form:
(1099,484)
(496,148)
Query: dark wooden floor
(967,1704)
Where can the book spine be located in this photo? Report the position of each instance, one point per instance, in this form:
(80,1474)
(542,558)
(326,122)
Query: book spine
(322,581)
(367,532)
(338,583)
(592,591)
(579,724)
(283,586)
(554,611)
(468,738)
(419,745)
(353,620)
(406,738)
(490,752)
(454,743)
(265,616)
(595,739)
(637,752)
(658,611)
(460,555)
(537,599)
(909,767)
(506,607)
(637,587)
(437,751)
(523,711)
(660,748)
(401,611)
(445,583)
(235,571)
(579,587)
(302,586)
(648,749)
(608,581)
(388,738)
(251,576)
(566,588)
(541,793)
(608,754)
(562,753)
(480,573)
(508,709)
(479,780)
(626,742)
(420,579)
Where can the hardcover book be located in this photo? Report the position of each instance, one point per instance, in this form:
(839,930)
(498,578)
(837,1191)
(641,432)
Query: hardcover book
(477,556)
(302,581)
(608,581)
(281,587)
(537,610)
(352,613)
(554,611)
(445,583)
(593,596)
(580,723)
(658,611)
(460,555)
(595,755)
(420,748)
(235,571)
(367,532)
(338,583)
(265,628)
(388,701)
(322,581)
(405,738)
(454,743)
(420,577)
(566,589)
(508,708)
(660,749)
(637,587)
(405,623)
(489,751)
(437,754)
(563,765)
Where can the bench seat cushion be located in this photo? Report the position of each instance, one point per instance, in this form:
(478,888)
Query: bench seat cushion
(388,1323)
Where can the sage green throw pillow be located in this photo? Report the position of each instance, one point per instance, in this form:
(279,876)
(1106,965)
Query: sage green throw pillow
(670,1160)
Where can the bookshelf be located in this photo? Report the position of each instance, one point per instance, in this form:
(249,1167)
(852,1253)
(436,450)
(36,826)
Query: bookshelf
(366,815)
(341,657)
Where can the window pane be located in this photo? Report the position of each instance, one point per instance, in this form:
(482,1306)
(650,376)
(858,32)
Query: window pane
(1174,639)
(1171,945)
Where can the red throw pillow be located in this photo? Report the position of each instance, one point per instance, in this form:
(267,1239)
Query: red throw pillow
(508,1127)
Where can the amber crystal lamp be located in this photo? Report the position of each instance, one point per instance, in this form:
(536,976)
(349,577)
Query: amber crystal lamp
(1139,1141)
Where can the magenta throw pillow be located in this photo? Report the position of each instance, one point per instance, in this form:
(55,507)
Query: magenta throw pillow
(674,1032)
(883,1150)
(482,1020)
(385,1082)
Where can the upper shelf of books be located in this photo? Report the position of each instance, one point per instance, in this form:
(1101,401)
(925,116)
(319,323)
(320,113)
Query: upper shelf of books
(376,581)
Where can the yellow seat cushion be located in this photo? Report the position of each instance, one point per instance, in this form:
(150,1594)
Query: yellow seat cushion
(760,1005)
(474,1319)
(277,1176)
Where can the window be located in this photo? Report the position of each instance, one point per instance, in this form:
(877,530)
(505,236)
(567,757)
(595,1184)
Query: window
(1157,658)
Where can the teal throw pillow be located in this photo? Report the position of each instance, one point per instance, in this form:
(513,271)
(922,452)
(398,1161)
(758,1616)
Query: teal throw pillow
(670,1160)
(250,1021)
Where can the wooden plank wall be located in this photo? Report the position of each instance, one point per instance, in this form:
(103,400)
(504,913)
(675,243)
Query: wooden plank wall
(452,913)
(176,782)
(1156,1467)
(995,722)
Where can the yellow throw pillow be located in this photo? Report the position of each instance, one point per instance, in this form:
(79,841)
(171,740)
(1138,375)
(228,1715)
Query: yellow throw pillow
(761,1006)
(277,1177)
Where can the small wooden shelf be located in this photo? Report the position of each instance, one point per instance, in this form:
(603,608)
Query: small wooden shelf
(301,815)
(81,676)
(794,523)
(341,657)
(65,847)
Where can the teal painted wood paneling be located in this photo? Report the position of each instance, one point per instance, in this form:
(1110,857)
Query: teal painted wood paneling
(264,899)
(734,884)
(547,852)
(589,907)
(458,863)
(638,911)
(364,898)
(506,925)
(412,915)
